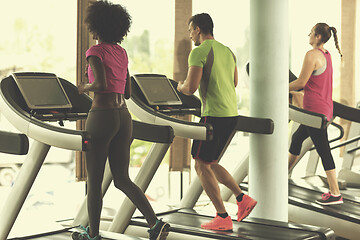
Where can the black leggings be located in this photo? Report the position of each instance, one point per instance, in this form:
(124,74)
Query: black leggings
(110,132)
(320,140)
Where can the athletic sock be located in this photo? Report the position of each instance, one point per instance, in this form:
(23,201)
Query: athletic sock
(240,197)
(223,215)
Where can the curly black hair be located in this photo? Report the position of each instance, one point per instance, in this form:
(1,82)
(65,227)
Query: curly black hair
(110,22)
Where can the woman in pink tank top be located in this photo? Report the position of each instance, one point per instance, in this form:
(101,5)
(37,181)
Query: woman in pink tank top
(316,78)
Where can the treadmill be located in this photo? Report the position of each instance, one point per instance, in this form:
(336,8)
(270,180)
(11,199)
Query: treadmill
(344,219)
(18,144)
(346,173)
(185,221)
(29,100)
(65,234)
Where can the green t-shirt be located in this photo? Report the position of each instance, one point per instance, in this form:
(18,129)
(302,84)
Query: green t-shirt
(216,89)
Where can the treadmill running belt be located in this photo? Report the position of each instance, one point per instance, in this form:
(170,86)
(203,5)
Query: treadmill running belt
(349,210)
(67,236)
(52,236)
(188,223)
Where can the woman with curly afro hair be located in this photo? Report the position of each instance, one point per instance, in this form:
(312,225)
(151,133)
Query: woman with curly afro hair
(109,122)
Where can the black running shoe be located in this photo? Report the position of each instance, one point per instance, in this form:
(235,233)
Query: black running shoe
(329,199)
(159,231)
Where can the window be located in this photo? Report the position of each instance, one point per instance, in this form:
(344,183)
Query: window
(150,42)
(38,35)
(303,15)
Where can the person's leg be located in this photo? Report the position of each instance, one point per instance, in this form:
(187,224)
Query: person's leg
(245,203)
(119,157)
(224,130)
(210,185)
(99,127)
(222,221)
(95,165)
(292,161)
(205,154)
(297,139)
(224,177)
(321,142)
(333,182)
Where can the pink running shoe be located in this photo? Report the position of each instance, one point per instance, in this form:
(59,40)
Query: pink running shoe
(245,207)
(219,224)
(329,199)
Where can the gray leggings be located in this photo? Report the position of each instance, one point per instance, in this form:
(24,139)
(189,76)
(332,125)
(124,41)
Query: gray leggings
(110,131)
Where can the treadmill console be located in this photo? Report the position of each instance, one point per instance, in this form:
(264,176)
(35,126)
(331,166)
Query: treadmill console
(46,97)
(158,90)
(42,91)
(159,93)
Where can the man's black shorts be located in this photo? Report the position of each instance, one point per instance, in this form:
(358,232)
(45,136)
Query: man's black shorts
(223,129)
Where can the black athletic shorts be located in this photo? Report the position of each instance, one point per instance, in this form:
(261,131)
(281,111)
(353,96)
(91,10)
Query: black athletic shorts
(223,130)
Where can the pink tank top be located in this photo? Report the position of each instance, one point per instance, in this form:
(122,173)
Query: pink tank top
(115,61)
(318,91)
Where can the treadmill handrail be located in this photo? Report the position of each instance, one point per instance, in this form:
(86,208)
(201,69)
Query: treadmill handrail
(189,129)
(152,133)
(346,142)
(318,120)
(14,143)
(36,129)
(308,118)
(71,139)
(245,124)
(346,112)
(255,125)
(159,114)
(341,135)
(299,115)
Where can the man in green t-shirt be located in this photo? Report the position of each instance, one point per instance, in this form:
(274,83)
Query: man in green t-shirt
(212,70)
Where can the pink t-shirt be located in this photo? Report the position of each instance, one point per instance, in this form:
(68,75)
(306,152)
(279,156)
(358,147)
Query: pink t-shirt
(318,91)
(115,61)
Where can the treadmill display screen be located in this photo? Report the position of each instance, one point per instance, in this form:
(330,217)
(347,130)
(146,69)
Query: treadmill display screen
(42,91)
(158,90)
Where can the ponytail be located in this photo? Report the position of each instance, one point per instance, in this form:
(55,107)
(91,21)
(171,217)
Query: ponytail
(336,39)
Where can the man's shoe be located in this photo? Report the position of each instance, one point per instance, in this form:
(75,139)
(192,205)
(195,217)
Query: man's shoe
(159,231)
(329,199)
(219,224)
(245,207)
